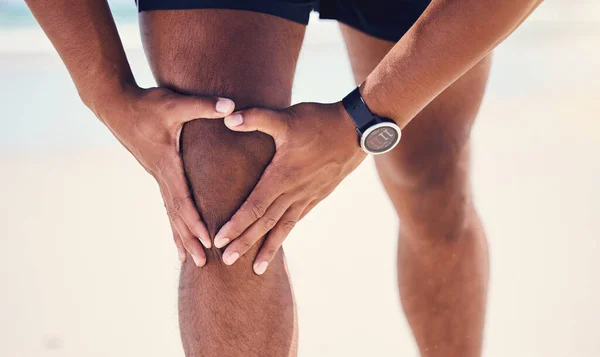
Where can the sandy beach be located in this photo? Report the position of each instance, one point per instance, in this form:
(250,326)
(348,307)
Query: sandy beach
(88,268)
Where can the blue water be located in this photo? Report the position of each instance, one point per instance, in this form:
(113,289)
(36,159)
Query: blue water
(17,15)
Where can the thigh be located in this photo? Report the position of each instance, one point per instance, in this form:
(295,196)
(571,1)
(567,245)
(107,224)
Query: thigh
(434,146)
(247,56)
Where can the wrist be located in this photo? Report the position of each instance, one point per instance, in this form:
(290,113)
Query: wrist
(377,134)
(104,93)
(348,128)
(379,104)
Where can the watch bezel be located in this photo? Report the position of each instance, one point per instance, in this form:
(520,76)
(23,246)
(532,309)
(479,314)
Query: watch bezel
(372,128)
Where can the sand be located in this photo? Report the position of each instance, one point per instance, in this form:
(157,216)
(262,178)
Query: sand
(87,266)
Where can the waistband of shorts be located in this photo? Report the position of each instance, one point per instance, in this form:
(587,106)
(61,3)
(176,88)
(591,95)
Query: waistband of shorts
(297,12)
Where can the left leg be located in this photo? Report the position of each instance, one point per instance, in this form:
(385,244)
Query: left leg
(442,250)
(250,57)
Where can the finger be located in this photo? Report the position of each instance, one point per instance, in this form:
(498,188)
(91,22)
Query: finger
(178,243)
(181,201)
(268,121)
(176,237)
(276,237)
(264,194)
(181,232)
(194,107)
(240,246)
(308,208)
(190,243)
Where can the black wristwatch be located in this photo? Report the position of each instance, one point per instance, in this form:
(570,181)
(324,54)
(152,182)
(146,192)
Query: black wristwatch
(376,135)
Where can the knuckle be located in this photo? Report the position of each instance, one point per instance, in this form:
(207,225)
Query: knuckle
(187,239)
(245,244)
(256,209)
(170,104)
(269,223)
(304,202)
(178,203)
(288,225)
(271,251)
(172,214)
(236,231)
(187,244)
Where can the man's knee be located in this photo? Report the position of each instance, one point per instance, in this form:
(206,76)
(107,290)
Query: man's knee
(434,150)
(223,306)
(430,188)
(222,167)
(433,163)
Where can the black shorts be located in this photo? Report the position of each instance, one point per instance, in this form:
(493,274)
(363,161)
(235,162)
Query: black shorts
(385,19)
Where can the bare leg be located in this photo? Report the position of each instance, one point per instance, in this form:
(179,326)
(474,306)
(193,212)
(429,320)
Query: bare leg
(442,250)
(228,311)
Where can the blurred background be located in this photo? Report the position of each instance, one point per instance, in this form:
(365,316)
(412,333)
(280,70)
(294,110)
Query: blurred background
(88,267)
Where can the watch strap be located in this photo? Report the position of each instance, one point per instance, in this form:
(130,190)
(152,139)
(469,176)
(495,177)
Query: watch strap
(357,109)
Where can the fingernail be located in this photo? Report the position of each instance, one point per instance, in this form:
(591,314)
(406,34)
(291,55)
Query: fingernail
(199,262)
(260,268)
(224,105)
(181,255)
(205,242)
(230,258)
(220,242)
(234,120)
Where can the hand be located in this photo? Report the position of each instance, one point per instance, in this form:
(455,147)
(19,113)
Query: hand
(148,123)
(316,148)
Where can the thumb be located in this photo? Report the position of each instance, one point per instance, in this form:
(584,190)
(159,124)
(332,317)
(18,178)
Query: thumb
(190,107)
(265,120)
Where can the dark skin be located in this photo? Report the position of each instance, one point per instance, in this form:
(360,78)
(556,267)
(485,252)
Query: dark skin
(147,122)
(229,310)
(441,239)
(224,311)
(447,40)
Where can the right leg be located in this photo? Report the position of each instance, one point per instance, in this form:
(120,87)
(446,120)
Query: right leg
(250,57)
(442,249)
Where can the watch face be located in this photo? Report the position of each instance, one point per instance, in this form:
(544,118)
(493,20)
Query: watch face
(381,138)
